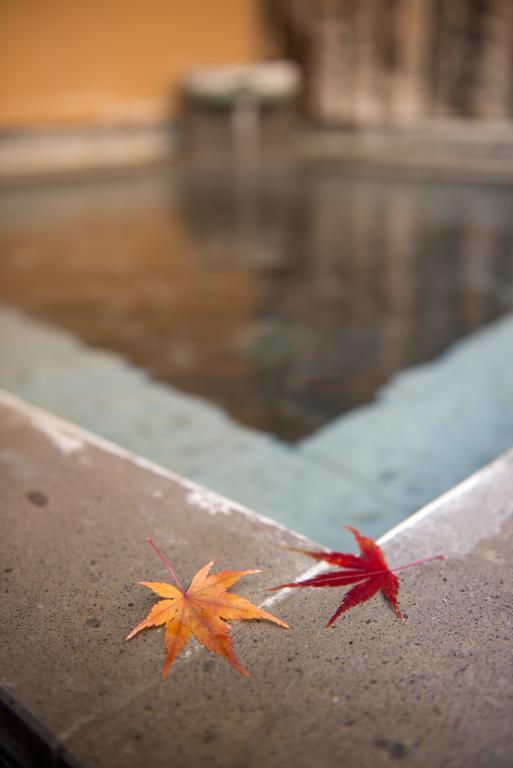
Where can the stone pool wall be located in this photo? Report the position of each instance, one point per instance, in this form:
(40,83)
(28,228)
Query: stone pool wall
(429,428)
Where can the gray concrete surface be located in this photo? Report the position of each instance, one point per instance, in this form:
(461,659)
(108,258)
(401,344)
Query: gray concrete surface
(428,429)
(435,690)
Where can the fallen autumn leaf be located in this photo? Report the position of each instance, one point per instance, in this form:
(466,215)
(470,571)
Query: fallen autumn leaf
(200,611)
(369,572)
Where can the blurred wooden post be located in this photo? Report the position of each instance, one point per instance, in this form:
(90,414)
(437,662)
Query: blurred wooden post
(413,36)
(332,62)
(368,108)
(494,93)
(450,55)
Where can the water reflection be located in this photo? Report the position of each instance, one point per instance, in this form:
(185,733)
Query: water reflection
(287,300)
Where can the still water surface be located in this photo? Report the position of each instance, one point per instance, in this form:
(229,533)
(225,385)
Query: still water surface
(286,301)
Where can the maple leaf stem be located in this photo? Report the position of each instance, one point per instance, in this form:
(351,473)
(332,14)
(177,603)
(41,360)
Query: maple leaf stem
(419,562)
(167,565)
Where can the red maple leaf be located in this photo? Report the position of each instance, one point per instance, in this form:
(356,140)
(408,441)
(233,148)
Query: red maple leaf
(369,572)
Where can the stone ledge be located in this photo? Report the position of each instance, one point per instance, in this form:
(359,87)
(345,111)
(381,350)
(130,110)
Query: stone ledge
(435,690)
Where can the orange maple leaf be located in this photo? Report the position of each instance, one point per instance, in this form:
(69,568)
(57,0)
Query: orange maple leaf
(200,611)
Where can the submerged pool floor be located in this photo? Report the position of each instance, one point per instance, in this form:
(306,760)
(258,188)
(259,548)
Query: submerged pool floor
(286,302)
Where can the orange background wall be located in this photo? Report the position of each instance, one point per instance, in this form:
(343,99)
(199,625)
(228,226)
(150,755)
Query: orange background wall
(65,62)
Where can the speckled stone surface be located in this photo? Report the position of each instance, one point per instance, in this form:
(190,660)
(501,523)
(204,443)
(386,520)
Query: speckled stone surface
(436,690)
